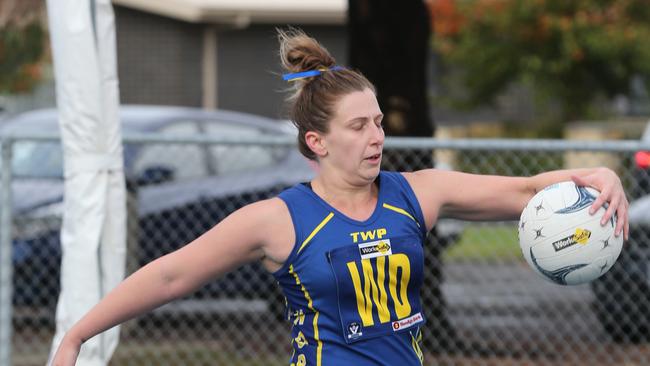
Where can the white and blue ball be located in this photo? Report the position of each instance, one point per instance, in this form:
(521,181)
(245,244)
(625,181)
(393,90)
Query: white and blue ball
(562,241)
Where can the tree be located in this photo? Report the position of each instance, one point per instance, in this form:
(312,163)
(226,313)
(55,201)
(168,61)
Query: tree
(22,45)
(572,53)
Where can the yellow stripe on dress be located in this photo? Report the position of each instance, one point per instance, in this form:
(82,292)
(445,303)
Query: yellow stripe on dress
(316,230)
(402,211)
(415,343)
(310,305)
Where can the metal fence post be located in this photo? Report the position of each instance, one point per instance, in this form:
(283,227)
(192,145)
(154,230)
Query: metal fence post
(5,255)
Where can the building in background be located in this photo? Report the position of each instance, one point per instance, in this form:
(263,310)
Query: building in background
(216,54)
(205,53)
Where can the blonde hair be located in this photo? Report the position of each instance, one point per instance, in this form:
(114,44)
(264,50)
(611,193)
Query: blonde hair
(312,99)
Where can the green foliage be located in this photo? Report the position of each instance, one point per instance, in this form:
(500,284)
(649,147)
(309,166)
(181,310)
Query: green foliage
(21,55)
(569,52)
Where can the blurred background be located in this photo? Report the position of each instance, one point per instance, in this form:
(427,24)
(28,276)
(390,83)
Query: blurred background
(491,80)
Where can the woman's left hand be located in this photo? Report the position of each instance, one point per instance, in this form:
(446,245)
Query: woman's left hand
(611,192)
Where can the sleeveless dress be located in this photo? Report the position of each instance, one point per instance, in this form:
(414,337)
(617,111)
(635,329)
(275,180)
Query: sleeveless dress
(353,287)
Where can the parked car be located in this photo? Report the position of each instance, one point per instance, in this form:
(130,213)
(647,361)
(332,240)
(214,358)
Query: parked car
(622,295)
(179,191)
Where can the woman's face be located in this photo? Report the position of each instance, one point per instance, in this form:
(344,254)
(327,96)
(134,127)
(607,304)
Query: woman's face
(355,139)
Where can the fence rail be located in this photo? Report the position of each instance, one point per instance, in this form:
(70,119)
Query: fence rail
(484,305)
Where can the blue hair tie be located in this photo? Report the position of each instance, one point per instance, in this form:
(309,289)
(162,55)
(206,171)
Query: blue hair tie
(306,74)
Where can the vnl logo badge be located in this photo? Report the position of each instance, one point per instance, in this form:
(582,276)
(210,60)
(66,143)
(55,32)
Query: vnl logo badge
(354,330)
(375,249)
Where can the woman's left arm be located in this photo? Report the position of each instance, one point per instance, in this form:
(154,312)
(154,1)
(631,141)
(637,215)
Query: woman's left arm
(489,197)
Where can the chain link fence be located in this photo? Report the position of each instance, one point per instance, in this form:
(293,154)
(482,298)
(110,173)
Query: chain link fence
(485,305)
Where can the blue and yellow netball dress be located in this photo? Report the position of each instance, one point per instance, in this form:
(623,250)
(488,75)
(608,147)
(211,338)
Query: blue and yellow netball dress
(352,287)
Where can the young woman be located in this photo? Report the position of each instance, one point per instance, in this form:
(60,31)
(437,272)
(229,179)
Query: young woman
(347,246)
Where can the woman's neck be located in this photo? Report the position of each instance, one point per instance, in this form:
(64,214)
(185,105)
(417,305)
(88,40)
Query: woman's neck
(355,201)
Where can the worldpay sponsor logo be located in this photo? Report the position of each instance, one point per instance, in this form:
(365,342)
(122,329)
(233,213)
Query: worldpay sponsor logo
(375,249)
(581,236)
(407,322)
(564,243)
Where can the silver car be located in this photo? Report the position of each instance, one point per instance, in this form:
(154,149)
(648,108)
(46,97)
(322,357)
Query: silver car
(176,191)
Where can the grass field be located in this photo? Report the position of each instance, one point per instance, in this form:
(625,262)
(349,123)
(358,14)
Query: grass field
(486,242)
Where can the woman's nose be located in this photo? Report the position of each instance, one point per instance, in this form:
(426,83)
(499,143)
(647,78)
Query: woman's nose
(378,134)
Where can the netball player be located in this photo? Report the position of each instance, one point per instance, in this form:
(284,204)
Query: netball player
(346,247)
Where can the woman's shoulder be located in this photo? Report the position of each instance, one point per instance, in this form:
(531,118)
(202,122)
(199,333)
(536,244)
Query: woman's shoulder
(273,226)
(267,210)
(423,177)
(429,190)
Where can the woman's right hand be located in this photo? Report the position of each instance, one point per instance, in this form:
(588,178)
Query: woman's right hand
(67,353)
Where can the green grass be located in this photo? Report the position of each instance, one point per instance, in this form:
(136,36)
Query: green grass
(486,242)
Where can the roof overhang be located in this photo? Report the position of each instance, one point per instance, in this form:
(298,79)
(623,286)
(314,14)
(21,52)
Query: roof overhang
(244,12)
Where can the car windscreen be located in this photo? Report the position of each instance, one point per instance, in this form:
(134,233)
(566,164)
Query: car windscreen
(38,159)
(33,159)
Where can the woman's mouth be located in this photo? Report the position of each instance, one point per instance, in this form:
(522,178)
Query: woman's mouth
(374,159)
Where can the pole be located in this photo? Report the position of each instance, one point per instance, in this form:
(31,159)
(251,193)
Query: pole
(6,266)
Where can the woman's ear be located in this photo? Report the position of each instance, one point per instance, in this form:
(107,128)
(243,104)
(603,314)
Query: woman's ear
(316,144)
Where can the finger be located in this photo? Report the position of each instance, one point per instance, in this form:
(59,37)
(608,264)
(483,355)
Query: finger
(599,202)
(622,224)
(620,219)
(626,216)
(613,207)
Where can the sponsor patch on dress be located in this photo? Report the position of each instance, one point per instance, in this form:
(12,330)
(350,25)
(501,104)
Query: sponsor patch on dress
(407,322)
(375,249)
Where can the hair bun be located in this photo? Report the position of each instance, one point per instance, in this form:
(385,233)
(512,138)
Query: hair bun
(299,52)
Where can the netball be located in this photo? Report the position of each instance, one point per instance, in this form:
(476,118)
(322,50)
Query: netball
(562,241)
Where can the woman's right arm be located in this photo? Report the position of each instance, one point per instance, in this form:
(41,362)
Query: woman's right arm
(238,239)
